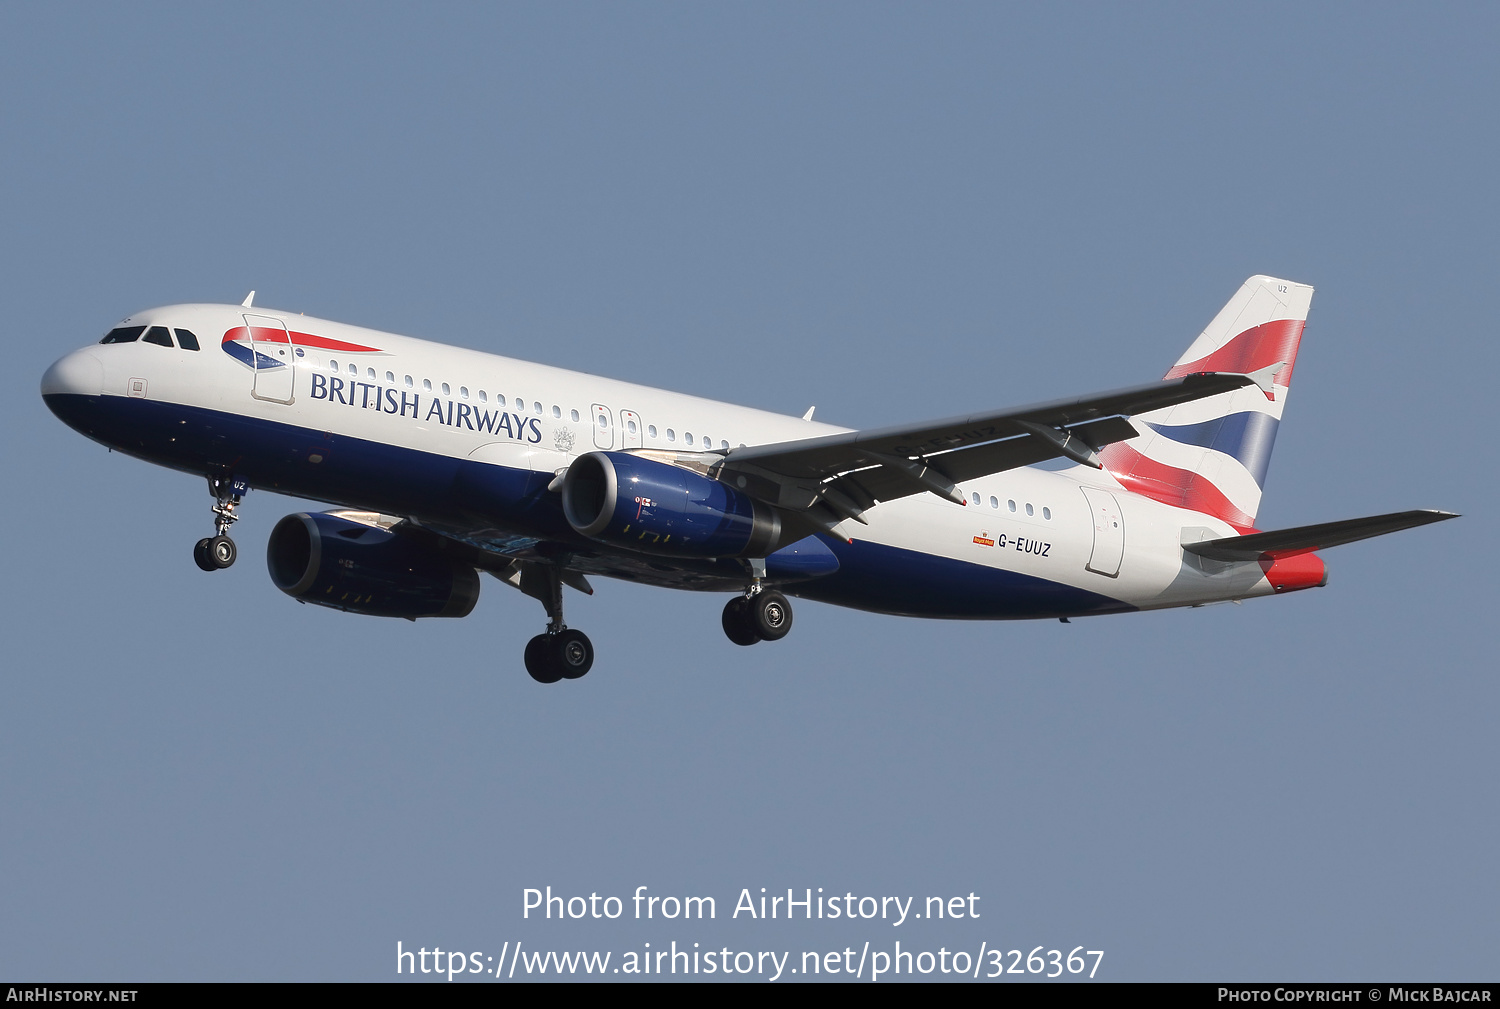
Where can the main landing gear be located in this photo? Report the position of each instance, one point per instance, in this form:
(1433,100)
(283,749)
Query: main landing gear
(561,653)
(218,551)
(758,615)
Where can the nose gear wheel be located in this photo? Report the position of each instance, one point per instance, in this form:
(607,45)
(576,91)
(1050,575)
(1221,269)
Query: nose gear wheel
(214,553)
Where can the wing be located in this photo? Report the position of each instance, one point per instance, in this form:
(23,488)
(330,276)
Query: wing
(845,474)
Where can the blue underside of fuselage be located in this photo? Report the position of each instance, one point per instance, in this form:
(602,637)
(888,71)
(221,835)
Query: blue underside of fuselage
(513,513)
(886,579)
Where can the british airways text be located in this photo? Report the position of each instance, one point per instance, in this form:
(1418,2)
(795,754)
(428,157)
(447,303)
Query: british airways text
(370,396)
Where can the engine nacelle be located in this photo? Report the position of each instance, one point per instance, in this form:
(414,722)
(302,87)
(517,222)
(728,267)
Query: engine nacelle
(326,559)
(657,508)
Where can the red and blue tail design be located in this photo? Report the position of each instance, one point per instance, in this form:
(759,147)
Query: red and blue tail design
(1211,455)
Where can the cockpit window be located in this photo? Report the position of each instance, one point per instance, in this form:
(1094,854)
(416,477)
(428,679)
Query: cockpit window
(125,334)
(159,336)
(186,340)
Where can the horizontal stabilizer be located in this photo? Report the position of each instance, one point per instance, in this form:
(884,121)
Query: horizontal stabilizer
(1304,539)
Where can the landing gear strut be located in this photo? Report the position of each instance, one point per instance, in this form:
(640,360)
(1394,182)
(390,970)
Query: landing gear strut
(561,653)
(760,614)
(218,551)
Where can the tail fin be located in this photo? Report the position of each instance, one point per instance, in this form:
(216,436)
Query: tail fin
(1211,455)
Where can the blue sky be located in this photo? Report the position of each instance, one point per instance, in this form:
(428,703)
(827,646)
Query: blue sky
(893,212)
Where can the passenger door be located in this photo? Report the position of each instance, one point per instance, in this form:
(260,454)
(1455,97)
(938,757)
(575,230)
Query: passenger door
(1109,532)
(272,353)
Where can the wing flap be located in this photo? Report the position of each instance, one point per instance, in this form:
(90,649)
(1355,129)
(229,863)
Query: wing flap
(883,483)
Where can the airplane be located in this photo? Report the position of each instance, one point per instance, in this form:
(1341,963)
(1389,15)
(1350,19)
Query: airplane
(443,462)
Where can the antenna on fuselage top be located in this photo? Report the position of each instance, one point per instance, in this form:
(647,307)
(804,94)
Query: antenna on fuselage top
(809,413)
(248,302)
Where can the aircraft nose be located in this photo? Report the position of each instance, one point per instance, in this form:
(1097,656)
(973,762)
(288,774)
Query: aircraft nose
(78,374)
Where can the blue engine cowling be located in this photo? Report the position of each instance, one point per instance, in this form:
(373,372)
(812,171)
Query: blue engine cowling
(657,508)
(329,560)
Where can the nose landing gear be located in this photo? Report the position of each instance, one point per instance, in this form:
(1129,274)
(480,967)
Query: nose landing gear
(218,551)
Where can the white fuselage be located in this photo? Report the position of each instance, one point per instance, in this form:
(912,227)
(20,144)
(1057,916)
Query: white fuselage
(378,400)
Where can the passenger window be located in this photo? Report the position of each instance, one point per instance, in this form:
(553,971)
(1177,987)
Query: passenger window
(631,425)
(446,391)
(409,383)
(369,373)
(125,334)
(651,430)
(463,392)
(333,365)
(499,399)
(1047,514)
(687,436)
(602,421)
(574,415)
(994,501)
(1028,508)
(976,498)
(520,405)
(1011,505)
(186,340)
(724,445)
(536,408)
(354,369)
(390,377)
(482,397)
(159,336)
(556,411)
(671,435)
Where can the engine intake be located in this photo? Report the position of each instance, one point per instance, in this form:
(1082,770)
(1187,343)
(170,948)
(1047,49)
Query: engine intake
(656,508)
(326,559)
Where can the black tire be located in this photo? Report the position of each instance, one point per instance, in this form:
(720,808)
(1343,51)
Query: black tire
(541,660)
(573,654)
(200,556)
(770,615)
(222,551)
(736,621)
